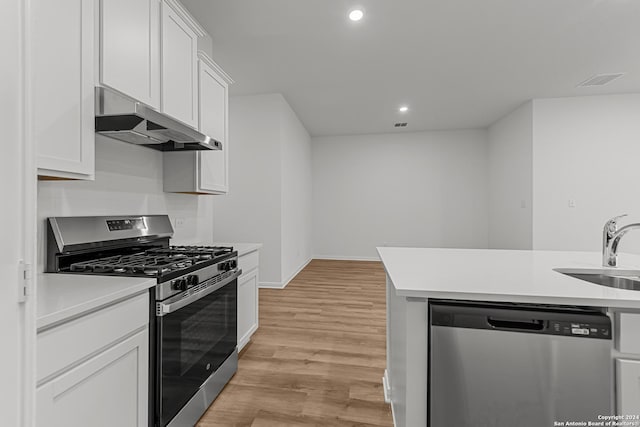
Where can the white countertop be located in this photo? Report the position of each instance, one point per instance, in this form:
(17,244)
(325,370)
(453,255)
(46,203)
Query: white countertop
(242,248)
(62,296)
(503,275)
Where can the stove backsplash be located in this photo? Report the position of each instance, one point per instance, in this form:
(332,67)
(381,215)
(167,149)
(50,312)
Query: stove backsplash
(128,182)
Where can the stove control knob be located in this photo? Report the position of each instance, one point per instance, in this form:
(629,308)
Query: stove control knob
(229,265)
(192,280)
(179,285)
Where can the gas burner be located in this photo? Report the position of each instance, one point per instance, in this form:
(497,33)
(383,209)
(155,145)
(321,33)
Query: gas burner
(150,264)
(194,253)
(153,262)
(155,271)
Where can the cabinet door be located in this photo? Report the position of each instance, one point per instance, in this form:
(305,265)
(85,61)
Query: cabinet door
(628,386)
(61,101)
(130,48)
(179,68)
(213,109)
(247,307)
(110,389)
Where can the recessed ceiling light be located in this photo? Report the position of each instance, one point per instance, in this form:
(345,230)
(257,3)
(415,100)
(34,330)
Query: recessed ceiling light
(403,109)
(356,14)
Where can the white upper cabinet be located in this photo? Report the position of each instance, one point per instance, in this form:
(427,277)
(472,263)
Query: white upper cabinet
(213,121)
(130,48)
(179,67)
(212,118)
(204,172)
(60,97)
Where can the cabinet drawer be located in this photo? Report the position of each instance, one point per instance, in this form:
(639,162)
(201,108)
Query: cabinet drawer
(61,346)
(248,262)
(628,332)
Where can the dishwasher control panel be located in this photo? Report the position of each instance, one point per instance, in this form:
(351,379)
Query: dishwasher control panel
(592,330)
(565,321)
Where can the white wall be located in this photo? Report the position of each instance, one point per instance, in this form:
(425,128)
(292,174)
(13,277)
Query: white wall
(296,184)
(250,212)
(585,149)
(510,180)
(14,360)
(269,198)
(410,189)
(128,182)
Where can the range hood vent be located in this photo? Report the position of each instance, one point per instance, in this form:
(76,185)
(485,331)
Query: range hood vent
(125,119)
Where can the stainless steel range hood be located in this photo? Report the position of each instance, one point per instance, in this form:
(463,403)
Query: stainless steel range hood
(125,119)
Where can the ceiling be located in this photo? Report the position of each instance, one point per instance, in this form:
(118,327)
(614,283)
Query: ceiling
(456,63)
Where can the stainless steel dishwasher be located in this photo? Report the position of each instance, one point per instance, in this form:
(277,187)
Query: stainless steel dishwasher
(505,365)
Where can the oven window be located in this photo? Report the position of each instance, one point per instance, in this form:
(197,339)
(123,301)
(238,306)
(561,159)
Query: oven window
(192,343)
(202,331)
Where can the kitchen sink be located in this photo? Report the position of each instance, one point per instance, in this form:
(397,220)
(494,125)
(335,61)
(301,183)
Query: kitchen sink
(614,278)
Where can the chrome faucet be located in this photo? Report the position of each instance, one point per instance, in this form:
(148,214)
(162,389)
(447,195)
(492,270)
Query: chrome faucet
(611,236)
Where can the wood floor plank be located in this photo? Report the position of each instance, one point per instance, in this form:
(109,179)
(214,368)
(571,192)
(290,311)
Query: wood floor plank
(318,356)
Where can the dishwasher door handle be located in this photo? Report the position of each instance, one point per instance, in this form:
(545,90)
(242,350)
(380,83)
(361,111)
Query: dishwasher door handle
(520,324)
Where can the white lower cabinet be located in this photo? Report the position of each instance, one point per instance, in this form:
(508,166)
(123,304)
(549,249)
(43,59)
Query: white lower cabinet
(247,307)
(94,370)
(628,386)
(110,389)
(627,361)
(247,298)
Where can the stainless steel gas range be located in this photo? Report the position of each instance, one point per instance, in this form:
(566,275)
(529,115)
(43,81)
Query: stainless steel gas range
(193,310)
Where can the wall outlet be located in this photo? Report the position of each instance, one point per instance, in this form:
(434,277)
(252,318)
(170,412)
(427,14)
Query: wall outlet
(179,223)
(523,204)
(572,203)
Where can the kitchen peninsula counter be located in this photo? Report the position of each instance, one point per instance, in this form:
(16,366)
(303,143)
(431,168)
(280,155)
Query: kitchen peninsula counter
(416,275)
(503,275)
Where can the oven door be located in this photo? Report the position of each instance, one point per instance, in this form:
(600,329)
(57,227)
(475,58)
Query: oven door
(196,332)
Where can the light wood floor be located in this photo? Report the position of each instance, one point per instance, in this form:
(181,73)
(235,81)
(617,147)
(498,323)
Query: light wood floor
(318,356)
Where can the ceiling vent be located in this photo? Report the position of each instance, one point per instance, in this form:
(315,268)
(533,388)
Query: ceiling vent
(600,79)
(400,125)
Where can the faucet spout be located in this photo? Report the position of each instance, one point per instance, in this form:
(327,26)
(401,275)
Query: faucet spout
(611,237)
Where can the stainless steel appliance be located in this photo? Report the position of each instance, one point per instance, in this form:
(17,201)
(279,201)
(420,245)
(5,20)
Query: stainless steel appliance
(193,310)
(123,118)
(504,365)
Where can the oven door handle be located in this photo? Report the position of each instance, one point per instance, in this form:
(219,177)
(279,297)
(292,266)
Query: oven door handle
(163,309)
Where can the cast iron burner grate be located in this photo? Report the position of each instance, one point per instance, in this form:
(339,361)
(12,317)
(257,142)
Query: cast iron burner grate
(151,265)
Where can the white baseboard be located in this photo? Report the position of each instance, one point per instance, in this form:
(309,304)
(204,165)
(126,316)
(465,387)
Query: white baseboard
(346,258)
(387,395)
(385,387)
(283,284)
(271,285)
(245,339)
(393,416)
(295,273)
